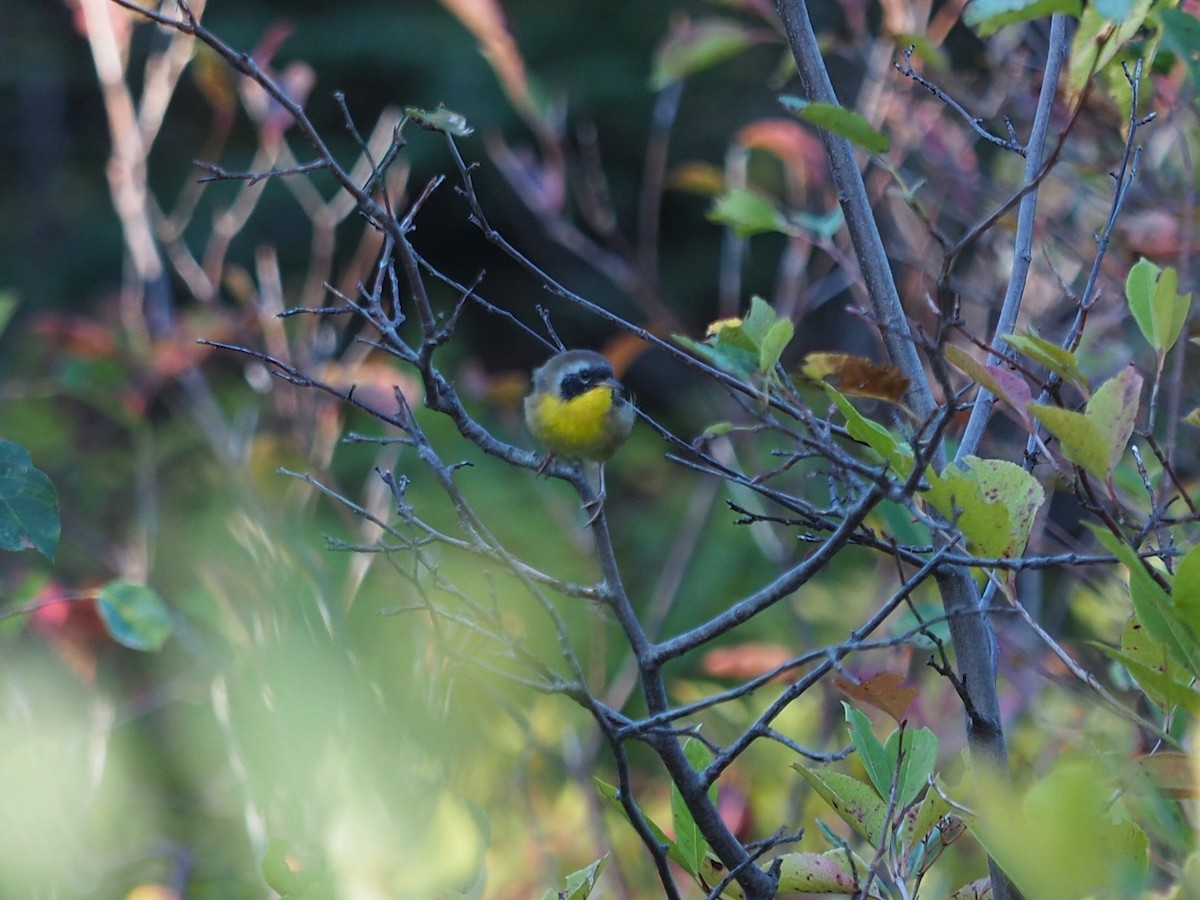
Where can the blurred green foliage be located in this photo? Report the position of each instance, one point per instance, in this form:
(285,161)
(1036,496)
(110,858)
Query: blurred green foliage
(309,724)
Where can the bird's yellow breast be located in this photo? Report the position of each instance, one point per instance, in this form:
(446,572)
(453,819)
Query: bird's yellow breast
(578,428)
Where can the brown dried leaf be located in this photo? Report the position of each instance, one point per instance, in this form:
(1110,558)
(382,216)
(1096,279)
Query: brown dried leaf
(856,376)
(1171,773)
(885,691)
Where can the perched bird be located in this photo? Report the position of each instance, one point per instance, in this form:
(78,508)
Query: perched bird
(578,410)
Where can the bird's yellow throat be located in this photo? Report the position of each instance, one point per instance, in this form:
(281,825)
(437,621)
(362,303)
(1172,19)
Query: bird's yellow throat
(577,427)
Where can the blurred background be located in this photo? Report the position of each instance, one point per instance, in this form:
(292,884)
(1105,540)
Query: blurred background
(308,724)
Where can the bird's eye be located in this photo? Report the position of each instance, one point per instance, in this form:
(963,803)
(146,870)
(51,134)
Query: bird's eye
(579,381)
(592,376)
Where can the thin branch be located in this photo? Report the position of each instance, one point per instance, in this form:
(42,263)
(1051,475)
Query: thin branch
(217,173)
(1033,152)
(766,597)
(976,124)
(833,658)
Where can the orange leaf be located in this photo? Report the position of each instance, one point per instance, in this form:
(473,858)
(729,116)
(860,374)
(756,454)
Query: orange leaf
(856,376)
(696,177)
(746,660)
(884,691)
(485,19)
(76,334)
(375,382)
(787,140)
(623,350)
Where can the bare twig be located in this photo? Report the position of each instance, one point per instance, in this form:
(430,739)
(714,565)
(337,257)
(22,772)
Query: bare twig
(217,173)
(1009,143)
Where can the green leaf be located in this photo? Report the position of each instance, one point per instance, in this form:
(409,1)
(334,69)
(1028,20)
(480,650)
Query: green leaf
(713,871)
(1185,591)
(746,346)
(816,873)
(609,792)
(310,883)
(1140,583)
(1114,409)
(28,503)
(995,502)
(906,760)
(1095,440)
(988,16)
(1153,606)
(1181,35)
(898,521)
(838,120)
(1059,361)
(8,306)
(1158,308)
(277,873)
(1114,10)
(134,615)
(719,429)
(759,320)
(580,883)
(913,753)
(855,801)
(748,213)
(1157,681)
(1066,837)
(917,823)
(700,758)
(880,766)
(823,226)
(778,336)
(693,848)
(1097,43)
(871,433)
(692,47)
(725,355)
(440,119)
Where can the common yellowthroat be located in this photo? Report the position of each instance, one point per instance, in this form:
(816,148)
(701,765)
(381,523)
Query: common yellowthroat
(578,410)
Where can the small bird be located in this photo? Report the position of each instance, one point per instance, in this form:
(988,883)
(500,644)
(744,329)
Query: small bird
(578,410)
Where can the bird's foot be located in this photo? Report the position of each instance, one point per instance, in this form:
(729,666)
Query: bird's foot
(596,505)
(597,501)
